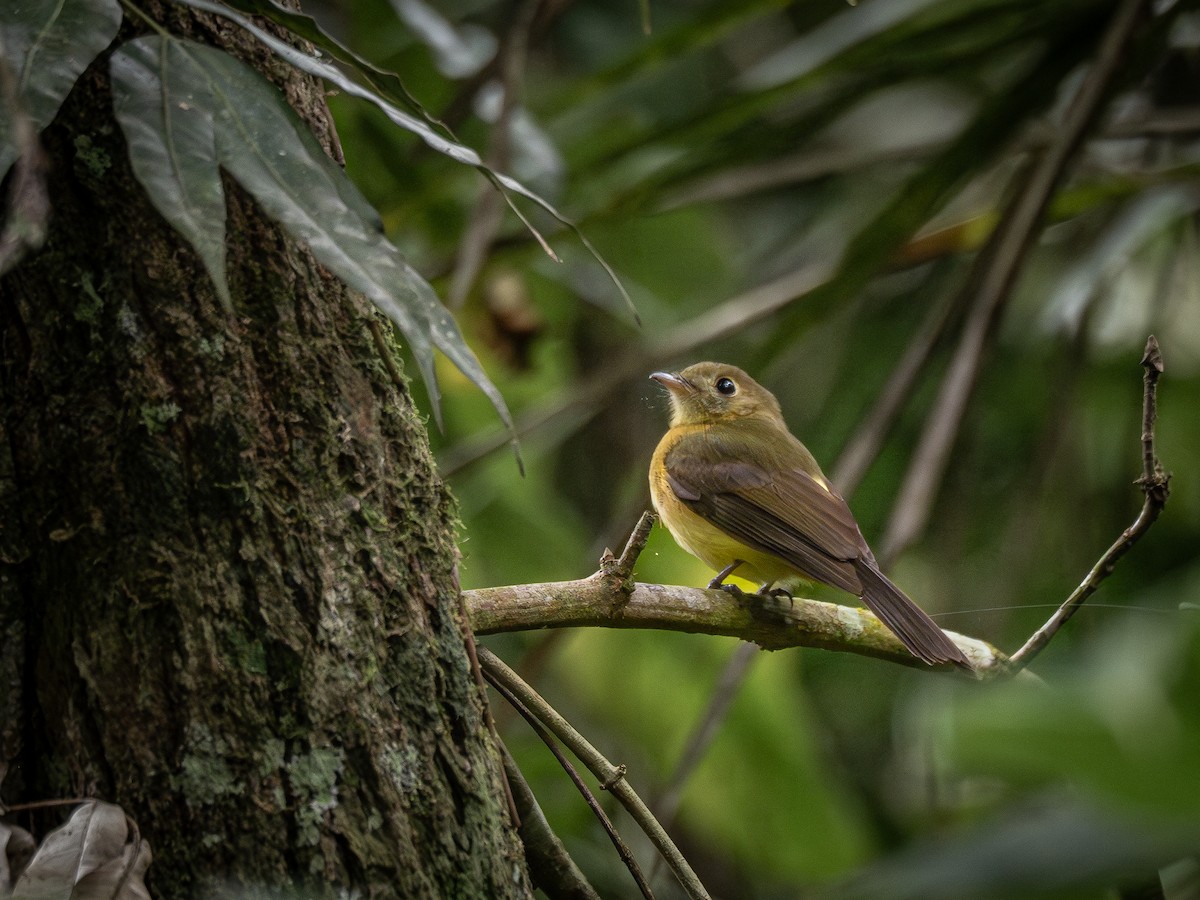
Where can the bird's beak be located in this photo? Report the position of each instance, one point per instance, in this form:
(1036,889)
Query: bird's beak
(674,383)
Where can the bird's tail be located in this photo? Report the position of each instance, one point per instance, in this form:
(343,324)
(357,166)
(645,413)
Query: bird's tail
(919,633)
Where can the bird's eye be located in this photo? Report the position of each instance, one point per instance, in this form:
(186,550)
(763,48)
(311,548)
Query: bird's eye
(726,386)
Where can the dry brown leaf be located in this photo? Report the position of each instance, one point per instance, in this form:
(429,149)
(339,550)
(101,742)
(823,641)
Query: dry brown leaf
(91,857)
(16,846)
(121,878)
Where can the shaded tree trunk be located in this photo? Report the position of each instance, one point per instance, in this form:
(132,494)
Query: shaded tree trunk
(227,589)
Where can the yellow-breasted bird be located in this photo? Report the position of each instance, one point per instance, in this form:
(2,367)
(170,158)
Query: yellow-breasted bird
(737,490)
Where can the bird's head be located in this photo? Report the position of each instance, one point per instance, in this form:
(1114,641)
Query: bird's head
(706,393)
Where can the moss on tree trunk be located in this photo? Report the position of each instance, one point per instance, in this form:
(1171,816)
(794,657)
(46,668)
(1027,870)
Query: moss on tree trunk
(227,589)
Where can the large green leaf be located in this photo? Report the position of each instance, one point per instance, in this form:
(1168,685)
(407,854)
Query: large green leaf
(47,44)
(263,144)
(386,83)
(168,124)
(381,94)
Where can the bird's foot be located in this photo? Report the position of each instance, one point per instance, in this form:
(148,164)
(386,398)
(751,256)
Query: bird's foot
(736,592)
(718,583)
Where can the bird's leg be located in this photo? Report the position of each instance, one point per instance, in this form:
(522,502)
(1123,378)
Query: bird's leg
(718,583)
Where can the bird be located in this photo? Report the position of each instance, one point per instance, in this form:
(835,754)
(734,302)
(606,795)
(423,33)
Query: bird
(739,491)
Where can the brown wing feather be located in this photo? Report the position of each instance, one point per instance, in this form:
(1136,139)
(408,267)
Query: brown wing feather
(788,513)
(785,513)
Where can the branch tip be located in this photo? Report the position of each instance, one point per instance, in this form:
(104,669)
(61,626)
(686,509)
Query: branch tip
(1152,357)
(636,543)
(1155,485)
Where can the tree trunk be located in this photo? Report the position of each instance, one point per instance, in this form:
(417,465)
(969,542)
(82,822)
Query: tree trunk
(228,598)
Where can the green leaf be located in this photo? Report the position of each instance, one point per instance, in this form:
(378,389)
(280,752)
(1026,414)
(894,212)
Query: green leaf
(420,126)
(263,144)
(387,84)
(168,124)
(47,44)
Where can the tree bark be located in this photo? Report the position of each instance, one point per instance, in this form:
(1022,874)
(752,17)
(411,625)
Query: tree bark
(228,598)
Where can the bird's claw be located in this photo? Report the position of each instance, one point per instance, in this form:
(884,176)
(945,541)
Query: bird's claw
(734,591)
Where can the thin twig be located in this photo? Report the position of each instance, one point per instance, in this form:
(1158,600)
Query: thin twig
(550,865)
(993,279)
(477,672)
(597,810)
(46,804)
(611,777)
(728,686)
(1155,484)
(636,544)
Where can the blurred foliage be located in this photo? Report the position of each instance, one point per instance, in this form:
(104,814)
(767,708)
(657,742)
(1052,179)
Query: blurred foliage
(874,147)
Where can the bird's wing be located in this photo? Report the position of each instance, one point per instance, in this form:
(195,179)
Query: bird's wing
(782,509)
(785,512)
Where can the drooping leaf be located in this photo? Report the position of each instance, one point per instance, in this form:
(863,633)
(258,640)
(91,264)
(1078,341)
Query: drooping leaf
(16,847)
(168,124)
(263,144)
(121,878)
(422,128)
(27,201)
(46,45)
(387,84)
(89,858)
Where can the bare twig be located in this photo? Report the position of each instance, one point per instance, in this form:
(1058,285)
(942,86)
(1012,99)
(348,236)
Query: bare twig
(45,804)
(612,778)
(510,765)
(994,276)
(1155,485)
(635,545)
(477,672)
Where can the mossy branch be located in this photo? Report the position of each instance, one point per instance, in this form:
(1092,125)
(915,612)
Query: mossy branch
(609,599)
